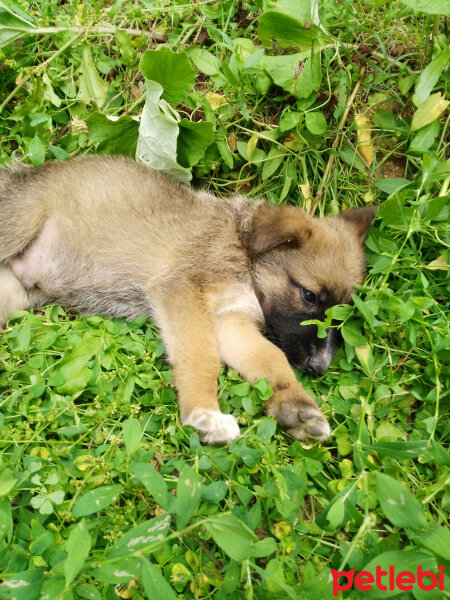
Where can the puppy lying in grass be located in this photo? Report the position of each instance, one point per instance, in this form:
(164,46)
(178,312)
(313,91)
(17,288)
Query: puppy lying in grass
(106,235)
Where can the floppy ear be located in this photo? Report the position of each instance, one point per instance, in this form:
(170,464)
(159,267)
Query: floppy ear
(276,225)
(360,219)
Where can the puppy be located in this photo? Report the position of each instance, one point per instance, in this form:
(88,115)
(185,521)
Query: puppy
(107,235)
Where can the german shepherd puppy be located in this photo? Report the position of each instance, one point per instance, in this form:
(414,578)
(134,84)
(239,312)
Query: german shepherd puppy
(107,235)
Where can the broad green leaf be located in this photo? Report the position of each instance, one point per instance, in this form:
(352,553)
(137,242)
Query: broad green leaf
(274,159)
(400,450)
(155,585)
(57,497)
(337,512)
(215,492)
(436,539)
(13,24)
(73,430)
(400,560)
(88,592)
(96,500)
(310,76)
(189,492)
(424,138)
(193,139)
(122,571)
(23,336)
(78,546)
(113,135)
(141,536)
(406,83)
(153,481)
(73,367)
(42,504)
(275,580)
(41,543)
(290,120)
(287,29)
(429,7)
(158,133)
(22,586)
(266,429)
(132,434)
(92,87)
(205,61)
(263,547)
(353,337)
(365,357)
(6,525)
(397,503)
(231,535)
(36,151)
(391,184)
(49,92)
(300,74)
(350,156)
(173,72)
(7,481)
(315,122)
(429,77)
(125,44)
(430,110)
(225,150)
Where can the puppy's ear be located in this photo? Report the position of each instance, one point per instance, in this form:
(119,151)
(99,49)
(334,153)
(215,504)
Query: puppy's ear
(276,225)
(360,220)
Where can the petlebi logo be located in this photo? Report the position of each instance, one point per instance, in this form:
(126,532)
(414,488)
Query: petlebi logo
(388,580)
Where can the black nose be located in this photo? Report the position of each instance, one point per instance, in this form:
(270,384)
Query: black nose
(315,366)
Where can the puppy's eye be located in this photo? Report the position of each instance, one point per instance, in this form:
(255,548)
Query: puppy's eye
(309,296)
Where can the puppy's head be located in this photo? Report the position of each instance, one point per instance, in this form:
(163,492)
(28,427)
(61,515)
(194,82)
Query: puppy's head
(301,267)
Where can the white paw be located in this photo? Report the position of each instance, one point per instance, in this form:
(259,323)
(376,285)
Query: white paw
(213,426)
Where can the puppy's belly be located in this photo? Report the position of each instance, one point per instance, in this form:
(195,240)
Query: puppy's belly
(71,276)
(36,264)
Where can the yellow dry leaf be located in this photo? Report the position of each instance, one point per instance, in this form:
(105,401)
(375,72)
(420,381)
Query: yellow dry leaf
(232,141)
(215,100)
(369,197)
(430,110)
(364,355)
(124,590)
(364,138)
(251,146)
(305,189)
(84,462)
(79,15)
(439,264)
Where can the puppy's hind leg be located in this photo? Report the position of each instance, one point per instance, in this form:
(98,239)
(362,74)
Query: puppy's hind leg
(13,296)
(189,337)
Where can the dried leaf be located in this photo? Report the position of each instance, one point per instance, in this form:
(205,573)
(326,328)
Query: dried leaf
(158,133)
(430,110)
(251,146)
(215,100)
(364,139)
(305,189)
(232,141)
(439,264)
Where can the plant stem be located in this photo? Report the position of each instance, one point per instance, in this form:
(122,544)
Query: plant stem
(332,158)
(157,37)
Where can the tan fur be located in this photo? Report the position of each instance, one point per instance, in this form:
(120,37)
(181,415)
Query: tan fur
(106,235)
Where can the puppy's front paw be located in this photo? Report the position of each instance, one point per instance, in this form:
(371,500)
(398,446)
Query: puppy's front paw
(213,426)
(298,415)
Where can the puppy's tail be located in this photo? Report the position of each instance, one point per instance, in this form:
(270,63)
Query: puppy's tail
(22,210)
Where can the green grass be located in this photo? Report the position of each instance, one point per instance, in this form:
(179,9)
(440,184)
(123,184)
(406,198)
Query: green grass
(91,445)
